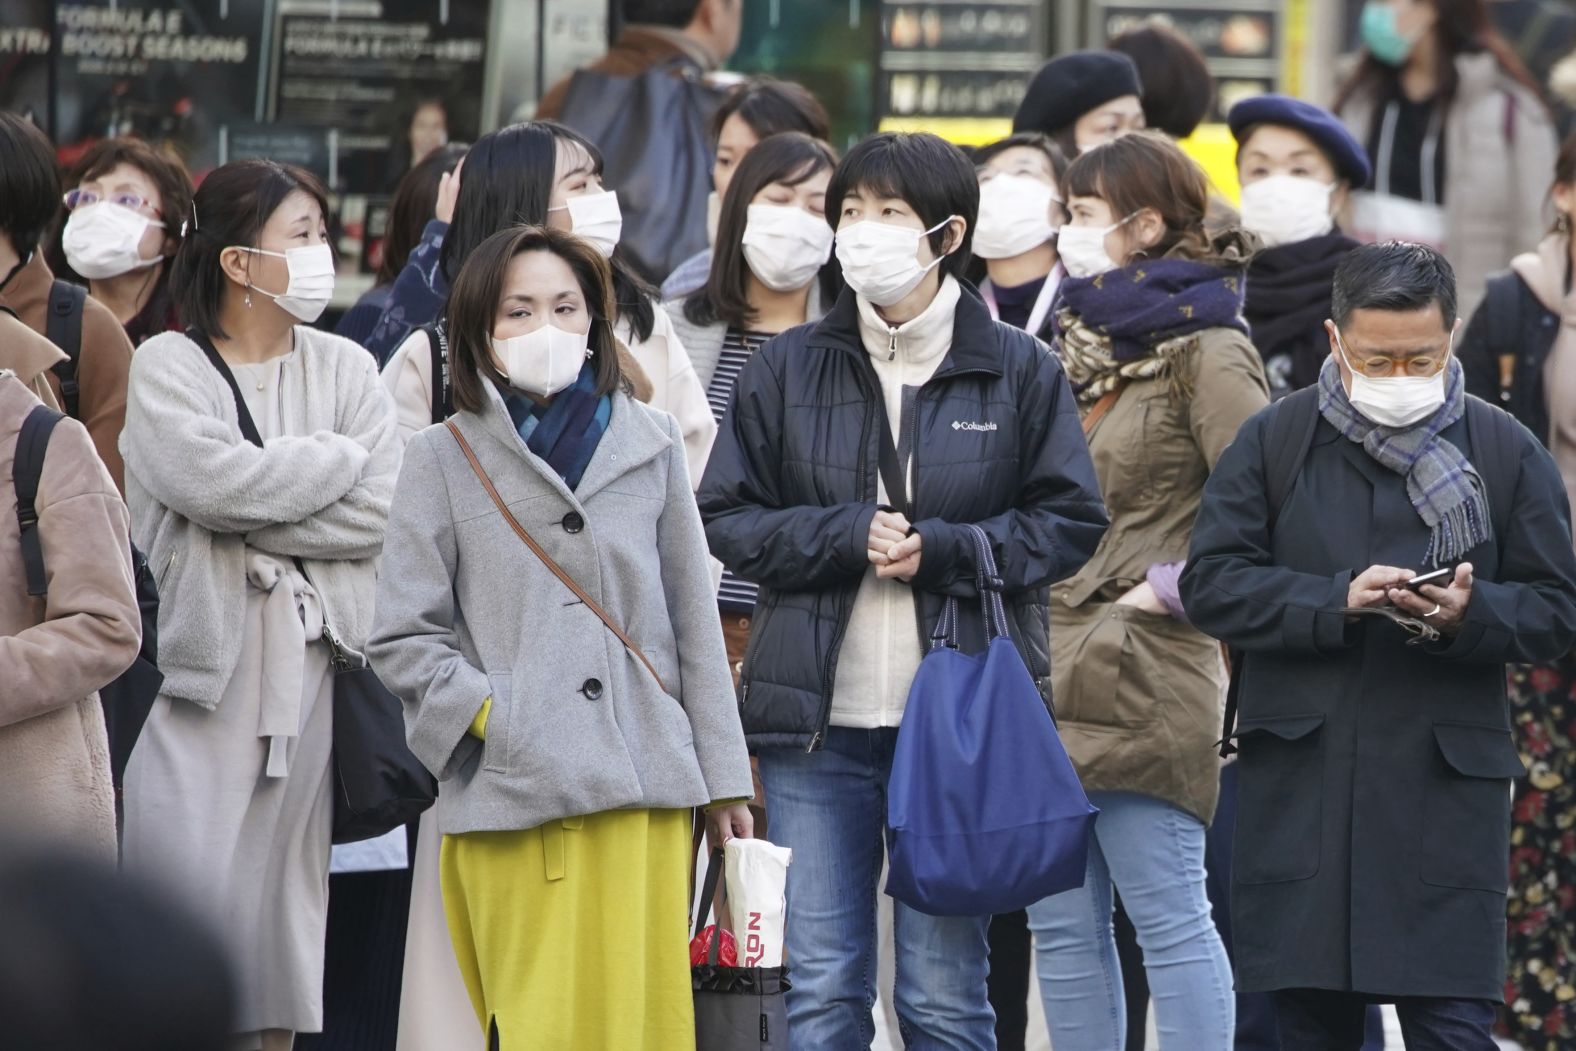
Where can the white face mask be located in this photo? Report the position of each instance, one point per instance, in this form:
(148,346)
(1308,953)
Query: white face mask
(595,217)
(785,245)
(1015,216)
(1284,209)
(311,280)
(1396,401)
(1082,249)
(104,239)
(543,361)
(713,216)
(881,261)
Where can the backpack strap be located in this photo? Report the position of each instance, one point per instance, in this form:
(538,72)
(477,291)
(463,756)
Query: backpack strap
(442,385)
(1503,300)
(63,327)
(1287,438)
(1497,455)
(26,472)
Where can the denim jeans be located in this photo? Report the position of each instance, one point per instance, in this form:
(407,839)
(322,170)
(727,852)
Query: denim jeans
(1154,854)
(1320,1020)
(829,808)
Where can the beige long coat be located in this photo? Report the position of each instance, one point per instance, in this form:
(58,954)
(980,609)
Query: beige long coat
(56,652)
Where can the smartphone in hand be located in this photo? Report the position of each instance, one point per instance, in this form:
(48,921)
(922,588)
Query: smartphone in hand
(1440,578)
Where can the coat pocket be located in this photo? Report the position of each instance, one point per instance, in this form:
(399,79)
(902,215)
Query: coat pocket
(498,747)
(1466,809)
(1280,804)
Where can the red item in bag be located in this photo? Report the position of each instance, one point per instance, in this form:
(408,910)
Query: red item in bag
(700,948)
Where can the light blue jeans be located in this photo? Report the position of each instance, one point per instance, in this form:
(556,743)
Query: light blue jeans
(1154,854)
(829,808)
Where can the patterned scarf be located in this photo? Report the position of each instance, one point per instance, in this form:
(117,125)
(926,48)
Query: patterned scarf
(564,432)
(1138,321)
(1444,488)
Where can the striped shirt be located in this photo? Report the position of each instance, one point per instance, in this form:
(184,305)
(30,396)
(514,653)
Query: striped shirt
(738,347)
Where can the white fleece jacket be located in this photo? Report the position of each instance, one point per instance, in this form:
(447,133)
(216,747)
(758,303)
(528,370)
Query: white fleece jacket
(881,649)
(200,494)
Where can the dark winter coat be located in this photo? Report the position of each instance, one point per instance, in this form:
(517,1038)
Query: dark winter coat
(790,492)
(1374,821)
(1510,323)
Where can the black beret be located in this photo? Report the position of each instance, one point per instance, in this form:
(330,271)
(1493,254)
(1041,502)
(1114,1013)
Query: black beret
(1068,86)
(1323,127)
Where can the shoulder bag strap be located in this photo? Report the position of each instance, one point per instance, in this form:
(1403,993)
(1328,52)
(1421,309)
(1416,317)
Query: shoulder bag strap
(27,470)
(442,393)
(547,560)
(243,414)
(892,472)
(1106,403)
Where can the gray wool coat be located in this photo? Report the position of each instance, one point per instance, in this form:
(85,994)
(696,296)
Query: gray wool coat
(465,611)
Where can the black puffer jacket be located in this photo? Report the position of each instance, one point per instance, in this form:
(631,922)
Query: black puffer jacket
(790,491)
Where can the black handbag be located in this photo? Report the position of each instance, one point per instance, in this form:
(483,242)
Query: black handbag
(379,784)
(736,1008)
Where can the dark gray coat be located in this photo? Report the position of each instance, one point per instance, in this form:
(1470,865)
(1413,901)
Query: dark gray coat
(1374,821)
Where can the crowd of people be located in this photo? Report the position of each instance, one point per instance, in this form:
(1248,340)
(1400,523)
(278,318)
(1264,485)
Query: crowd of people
(1278,494)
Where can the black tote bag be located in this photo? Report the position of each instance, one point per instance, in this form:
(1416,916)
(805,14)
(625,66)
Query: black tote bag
(379,784)
(657,155)
(736,1008)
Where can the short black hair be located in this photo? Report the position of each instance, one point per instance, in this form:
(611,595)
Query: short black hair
(29,183)
(230,209)
(675,13)
(1178,86)
(926,171)
(1393,275)
(770,107)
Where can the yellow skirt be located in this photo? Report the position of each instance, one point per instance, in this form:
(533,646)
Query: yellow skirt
(574,935)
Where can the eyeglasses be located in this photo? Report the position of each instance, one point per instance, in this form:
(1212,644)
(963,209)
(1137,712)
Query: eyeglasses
(82,198)
(1380,367)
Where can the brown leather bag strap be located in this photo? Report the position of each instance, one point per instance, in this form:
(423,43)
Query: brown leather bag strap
(547,560)
(1101,407)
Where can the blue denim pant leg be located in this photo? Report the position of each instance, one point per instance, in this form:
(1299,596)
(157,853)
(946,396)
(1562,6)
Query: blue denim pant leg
(1075,956)
(829,808)
(1154,854)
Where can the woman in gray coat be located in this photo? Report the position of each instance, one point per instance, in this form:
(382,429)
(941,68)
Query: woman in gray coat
(574,728)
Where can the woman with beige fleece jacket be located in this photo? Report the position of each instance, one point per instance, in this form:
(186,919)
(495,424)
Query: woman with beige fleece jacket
(260,462)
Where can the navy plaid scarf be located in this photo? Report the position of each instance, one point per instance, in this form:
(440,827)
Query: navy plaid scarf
(566,431)
(1444,487)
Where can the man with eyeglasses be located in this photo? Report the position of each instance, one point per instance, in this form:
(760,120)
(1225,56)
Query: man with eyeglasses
(1375,746)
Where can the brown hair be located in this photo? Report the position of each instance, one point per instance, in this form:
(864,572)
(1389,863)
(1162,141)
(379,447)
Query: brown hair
(790,158)
(770,107)
(473,306)
(1464,27)
(1564,175)
(1145,169)
(1178,86)
(229,210)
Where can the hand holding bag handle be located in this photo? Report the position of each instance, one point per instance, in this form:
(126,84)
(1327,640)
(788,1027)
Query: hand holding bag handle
(547,560)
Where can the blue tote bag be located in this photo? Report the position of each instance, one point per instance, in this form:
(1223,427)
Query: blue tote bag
(985,812)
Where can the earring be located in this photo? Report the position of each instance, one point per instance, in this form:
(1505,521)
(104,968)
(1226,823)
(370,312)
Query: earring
(248,299)
(1563,223)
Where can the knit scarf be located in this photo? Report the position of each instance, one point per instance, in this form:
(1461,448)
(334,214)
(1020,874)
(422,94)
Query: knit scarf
(1288,298)
(1138,321)
(1444,488)
(564,432)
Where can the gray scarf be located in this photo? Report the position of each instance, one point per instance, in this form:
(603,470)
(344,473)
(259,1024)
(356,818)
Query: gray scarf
(1444,488)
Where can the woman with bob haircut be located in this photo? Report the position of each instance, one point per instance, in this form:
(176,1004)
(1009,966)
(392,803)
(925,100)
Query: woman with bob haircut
(851,586)
(260,461)
(570,760)
(127,204)
(1149,325)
